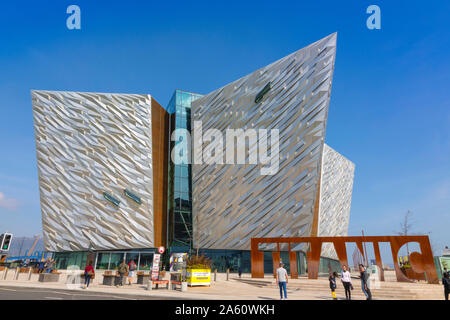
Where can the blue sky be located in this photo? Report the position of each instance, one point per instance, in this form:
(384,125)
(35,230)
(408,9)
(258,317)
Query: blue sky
(389,110)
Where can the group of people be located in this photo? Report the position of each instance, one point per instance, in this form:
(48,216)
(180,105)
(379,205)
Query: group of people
(346,280)
(129,268)
(46,267)
(282,280)
(123,269)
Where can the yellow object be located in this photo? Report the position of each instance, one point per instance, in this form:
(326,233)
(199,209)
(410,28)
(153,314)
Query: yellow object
(334,294)
(198,277)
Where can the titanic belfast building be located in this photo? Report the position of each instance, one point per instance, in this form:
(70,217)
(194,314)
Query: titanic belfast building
(112,185)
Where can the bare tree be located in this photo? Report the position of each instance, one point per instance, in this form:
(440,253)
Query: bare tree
(405,227)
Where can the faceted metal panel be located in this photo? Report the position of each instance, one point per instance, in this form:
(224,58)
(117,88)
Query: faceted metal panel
(88,144)
(335,197)
(233,203)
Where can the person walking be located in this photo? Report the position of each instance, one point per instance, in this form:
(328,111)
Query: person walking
(131,269)
(446,284)
(346,282)
(282,280)
(333,285)
(123,268)
(88,275)
(240,271)
(364,276)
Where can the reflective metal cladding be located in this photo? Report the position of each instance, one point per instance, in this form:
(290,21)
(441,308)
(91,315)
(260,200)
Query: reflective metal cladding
(233,203)
(106,179)
(90,148)
(336,186)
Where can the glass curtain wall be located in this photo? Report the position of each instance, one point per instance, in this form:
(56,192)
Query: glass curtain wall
(104,260)
(180,175)
(65,259)
(228,259)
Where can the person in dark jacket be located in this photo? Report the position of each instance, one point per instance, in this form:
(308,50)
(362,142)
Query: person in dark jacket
(41,266)
(123,269)
(333,286)
(364,276)
(446,284)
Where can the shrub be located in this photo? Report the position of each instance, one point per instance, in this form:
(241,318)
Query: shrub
(198,262)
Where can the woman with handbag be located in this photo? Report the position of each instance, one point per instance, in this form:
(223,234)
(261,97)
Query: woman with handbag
(347,282)
(88,274)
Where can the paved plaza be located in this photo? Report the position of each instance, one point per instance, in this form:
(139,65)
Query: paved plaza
(235,288)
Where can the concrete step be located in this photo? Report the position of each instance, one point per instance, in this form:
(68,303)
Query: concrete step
(387,290)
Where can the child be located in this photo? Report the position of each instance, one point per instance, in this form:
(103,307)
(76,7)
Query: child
(332,280)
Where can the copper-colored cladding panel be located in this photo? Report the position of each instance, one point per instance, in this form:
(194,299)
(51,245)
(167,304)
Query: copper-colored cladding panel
(420,262)
(293,263)
(257,260)
(160,127)
(376,249)
(276,261)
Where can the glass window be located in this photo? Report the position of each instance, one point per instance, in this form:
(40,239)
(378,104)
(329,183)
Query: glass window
(178,94)
(184,196)
(176,198)
(186,206)
(146,261)
(178,171)
(180,154)
(132,256)
(177,183)
(186,100)
(188,121)
(116,260)
(77,259)
(284,257)
(61,260)
(184,172)
(103,260)
(179,111)
(182,124)
(184,185)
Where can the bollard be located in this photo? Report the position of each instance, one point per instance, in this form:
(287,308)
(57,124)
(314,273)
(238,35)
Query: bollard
(149,285)
(29,274)
(16,275)
(215,275)
(183,286)
(228,273)
(5,273)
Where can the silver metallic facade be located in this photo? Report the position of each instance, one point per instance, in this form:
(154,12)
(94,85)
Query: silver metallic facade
(233,203)
(88,144)
(336,186)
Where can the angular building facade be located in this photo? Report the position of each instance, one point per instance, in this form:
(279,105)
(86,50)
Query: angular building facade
(335,193)
(234,203)
(102,164)
(109,185)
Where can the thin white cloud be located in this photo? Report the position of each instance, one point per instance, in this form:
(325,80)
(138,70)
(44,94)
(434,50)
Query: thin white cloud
(8,203)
